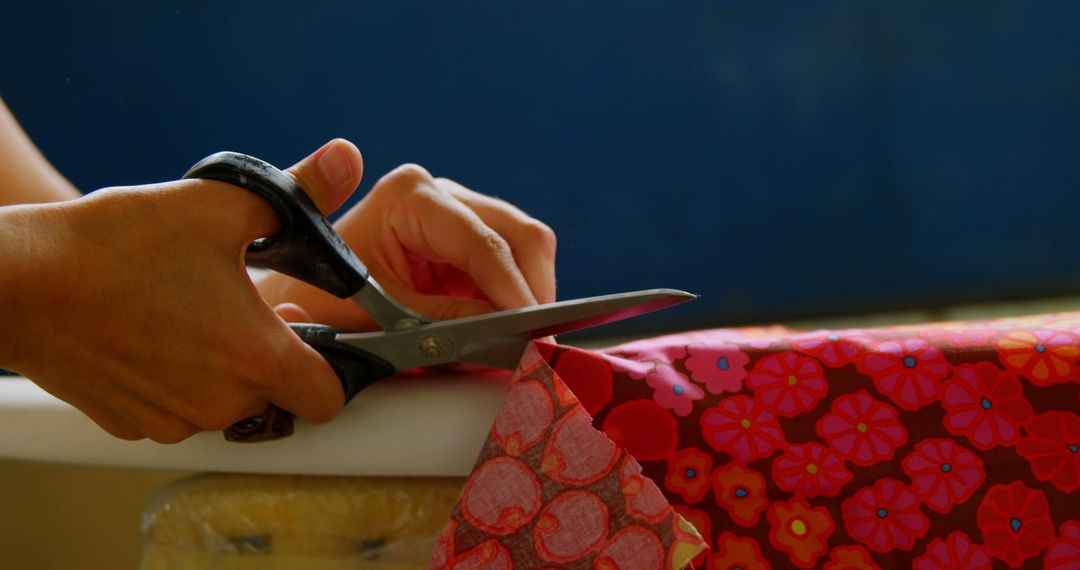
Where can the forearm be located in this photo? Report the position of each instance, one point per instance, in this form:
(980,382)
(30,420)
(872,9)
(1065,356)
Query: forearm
(26,177)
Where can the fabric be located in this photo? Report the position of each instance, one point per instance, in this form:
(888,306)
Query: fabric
(550,490)
(947,445)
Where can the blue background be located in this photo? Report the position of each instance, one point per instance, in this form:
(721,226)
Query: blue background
(781,159)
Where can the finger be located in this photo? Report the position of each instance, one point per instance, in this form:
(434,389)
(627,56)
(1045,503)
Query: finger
(318,305)
(440,227)
(532,242)
(292,313)
(330,174)
(308,387)
(439,307)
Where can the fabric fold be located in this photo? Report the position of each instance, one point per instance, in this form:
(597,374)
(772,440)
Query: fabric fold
(549,489)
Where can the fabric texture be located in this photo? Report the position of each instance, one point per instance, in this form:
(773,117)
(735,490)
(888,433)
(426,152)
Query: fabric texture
(945,445)
(550,490)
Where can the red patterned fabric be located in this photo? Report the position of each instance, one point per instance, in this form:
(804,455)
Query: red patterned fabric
(947,445)
(549,490)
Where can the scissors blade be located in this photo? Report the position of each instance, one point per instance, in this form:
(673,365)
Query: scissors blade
(567,316)
(498,339)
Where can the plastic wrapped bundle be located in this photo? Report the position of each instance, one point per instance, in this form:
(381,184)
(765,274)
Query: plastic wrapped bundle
(233,522)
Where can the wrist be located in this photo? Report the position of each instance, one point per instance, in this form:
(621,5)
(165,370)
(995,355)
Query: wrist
(33,280)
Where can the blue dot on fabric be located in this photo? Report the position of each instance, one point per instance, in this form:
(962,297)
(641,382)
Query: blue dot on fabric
(678,390)
(1015,524)
(1040,348)
(882,513)
(833,337)
(740,492)
(946,467)
(909,361)
(690,473)
(1073,447)
(986,405)
(722,363)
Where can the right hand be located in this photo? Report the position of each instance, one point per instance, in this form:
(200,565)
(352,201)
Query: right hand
(134,305)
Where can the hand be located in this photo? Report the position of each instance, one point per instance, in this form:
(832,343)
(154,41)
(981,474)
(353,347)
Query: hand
(134,305)
(437,247)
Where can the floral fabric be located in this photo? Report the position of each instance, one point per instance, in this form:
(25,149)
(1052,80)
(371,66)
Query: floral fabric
(945,445)
(549,490)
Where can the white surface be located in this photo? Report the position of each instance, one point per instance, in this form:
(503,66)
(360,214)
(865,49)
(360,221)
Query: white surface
(416,426)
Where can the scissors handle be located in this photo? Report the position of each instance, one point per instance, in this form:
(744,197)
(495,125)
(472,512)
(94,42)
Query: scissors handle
(356,368)
(306,246)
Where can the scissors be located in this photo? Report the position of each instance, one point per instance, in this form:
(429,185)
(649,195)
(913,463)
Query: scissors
(307,247)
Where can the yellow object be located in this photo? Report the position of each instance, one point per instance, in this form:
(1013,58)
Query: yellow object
(280,522)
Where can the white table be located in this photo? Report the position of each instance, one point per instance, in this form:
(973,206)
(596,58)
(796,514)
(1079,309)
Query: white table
(429,425)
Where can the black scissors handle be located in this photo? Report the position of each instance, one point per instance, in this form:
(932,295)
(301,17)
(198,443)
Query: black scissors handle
(355,368)
(306,247)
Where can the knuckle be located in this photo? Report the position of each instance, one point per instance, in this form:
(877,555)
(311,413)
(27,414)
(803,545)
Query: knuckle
(453,187)
(408,174)
(540,234)
(494,243)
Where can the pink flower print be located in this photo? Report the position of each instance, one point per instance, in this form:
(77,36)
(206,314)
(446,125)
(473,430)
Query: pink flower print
(834,349)
(985,404)
(720,366)
(862,429)
(1052,447)
(1065,553)
(1015,522)
(672,390)
(885,516)
(810,470)
(943,474)
(908,371)
(787,383)
(632,368)
(742,427)
(660,349)
(960,334)
(957,552)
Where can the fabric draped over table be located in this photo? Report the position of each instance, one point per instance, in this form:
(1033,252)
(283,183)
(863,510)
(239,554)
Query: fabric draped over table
(945,445)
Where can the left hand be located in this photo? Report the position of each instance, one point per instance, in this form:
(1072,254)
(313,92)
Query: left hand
(435,246)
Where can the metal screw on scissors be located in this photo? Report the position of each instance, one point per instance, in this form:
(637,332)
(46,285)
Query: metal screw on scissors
(307,248)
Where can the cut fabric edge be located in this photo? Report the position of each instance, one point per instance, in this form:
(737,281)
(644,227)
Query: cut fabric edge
(619,549)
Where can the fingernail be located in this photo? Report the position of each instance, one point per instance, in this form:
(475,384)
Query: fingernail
(334,164)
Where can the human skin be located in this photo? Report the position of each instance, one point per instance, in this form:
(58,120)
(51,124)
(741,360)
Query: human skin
(134,305)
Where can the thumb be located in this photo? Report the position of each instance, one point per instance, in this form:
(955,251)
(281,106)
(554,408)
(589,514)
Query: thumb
(330,174)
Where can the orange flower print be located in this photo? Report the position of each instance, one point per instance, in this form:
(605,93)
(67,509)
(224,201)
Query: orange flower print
(732,552)
(688,474)
(800,530)
(740,492)
(1042,356)
(850,558)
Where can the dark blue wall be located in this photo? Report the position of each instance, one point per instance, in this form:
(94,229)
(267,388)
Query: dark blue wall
(820,158)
